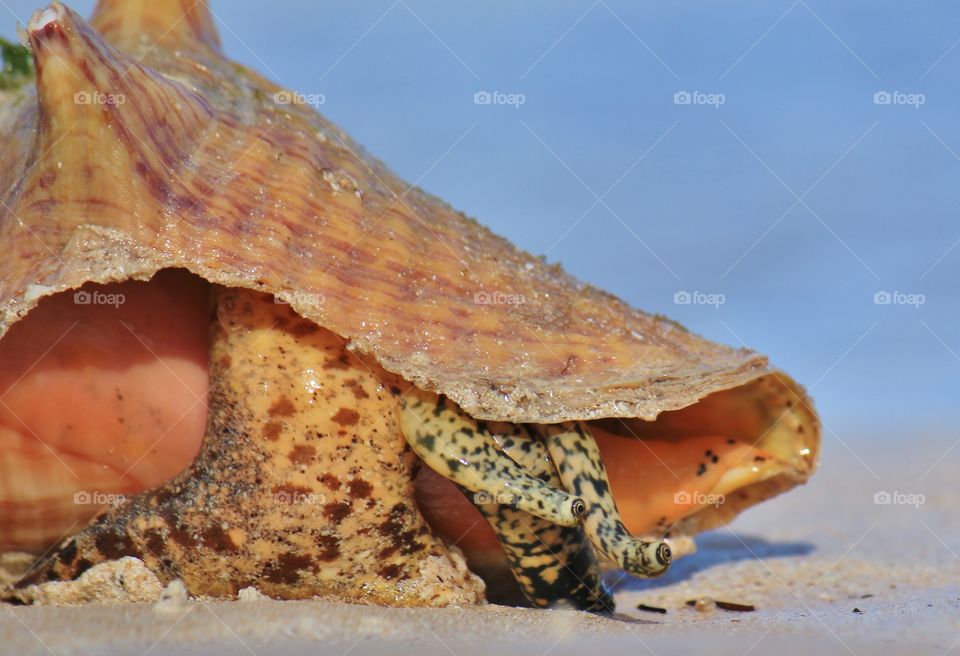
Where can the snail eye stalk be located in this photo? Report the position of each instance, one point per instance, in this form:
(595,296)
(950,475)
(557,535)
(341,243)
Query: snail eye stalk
(577,457)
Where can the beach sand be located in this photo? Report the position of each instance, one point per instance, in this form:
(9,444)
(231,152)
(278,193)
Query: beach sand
(830,569)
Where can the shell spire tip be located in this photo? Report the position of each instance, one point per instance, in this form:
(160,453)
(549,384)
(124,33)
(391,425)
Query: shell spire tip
(43,24)
(44,17)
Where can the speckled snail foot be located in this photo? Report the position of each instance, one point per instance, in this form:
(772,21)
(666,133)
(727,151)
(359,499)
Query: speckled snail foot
(459,448)
(553,562)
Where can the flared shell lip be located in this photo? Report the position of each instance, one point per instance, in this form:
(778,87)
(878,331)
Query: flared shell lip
(528,409)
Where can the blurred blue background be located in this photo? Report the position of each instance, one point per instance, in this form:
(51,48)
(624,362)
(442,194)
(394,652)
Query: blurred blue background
(795,157)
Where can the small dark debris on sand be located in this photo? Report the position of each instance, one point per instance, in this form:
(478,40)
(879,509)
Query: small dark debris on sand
(652,609)
(724,605)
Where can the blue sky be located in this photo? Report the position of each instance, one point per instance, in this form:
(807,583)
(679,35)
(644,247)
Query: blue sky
(814,166)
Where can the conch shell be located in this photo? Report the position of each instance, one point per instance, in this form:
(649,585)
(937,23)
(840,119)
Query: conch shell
(141,147)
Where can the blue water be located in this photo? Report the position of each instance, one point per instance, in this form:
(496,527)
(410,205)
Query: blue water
(783,186)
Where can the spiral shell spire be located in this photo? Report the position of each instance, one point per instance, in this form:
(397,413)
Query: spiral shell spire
(111,133)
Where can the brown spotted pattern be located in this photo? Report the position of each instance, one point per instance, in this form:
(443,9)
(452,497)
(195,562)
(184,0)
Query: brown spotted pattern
(303,486)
